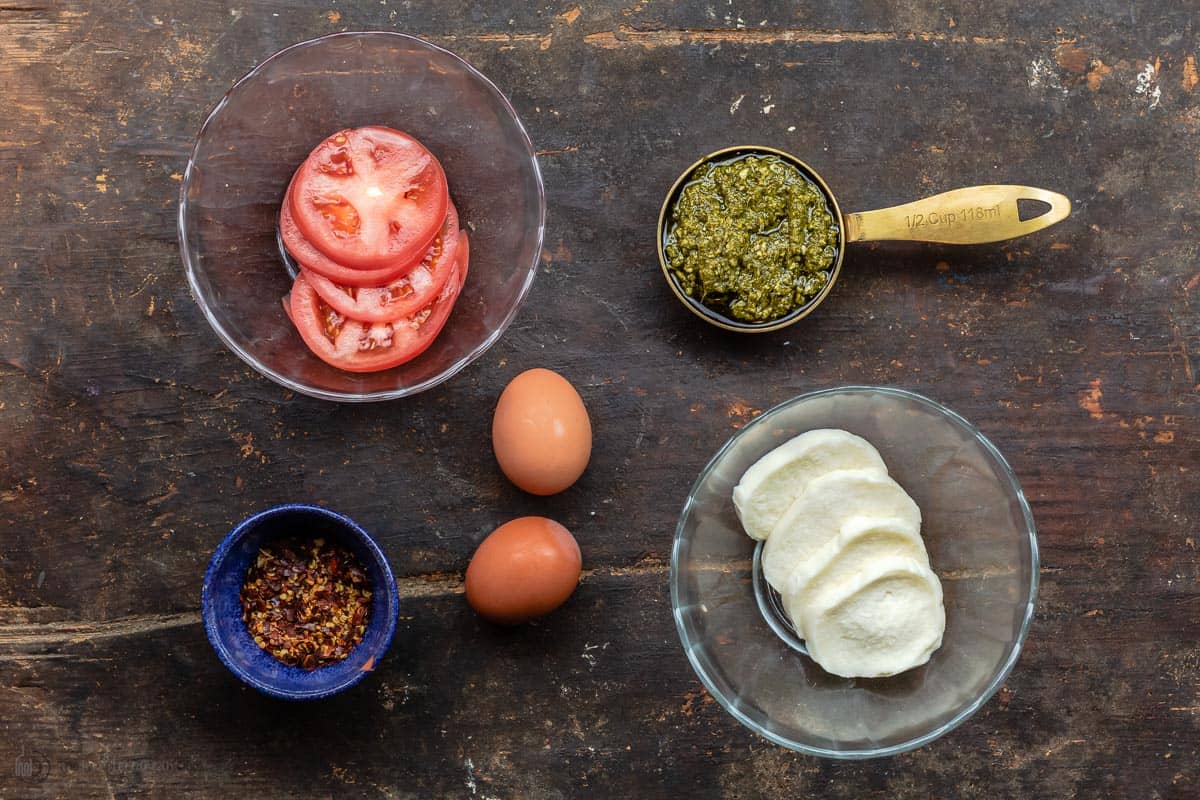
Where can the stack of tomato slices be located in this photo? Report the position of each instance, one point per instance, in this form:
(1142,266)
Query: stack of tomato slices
(369,220)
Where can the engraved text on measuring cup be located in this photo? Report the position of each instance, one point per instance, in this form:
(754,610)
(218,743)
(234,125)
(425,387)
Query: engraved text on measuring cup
(968,214)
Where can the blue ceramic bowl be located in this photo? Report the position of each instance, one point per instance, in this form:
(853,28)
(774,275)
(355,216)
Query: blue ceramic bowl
(222,609)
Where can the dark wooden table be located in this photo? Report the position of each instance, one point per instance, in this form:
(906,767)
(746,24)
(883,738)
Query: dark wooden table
(130,439)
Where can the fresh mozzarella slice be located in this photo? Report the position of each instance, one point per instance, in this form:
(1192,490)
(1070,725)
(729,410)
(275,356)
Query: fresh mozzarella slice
(888,619)
(775,481)
(861,541)
(818,515)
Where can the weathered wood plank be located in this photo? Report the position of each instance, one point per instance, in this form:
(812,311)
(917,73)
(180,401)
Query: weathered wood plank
(130,439)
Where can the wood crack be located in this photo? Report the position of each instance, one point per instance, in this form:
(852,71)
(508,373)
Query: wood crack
(445,584)
(505,40)
(983,573)
(57,634)
(17,640)
(435,584)
(627,36)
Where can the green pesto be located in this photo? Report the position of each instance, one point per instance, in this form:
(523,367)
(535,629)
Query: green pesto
(751,238)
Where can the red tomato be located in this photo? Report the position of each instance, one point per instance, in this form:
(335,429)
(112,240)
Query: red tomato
(313,260)
(370,197)
(369,346)
(404,295)
(464,251)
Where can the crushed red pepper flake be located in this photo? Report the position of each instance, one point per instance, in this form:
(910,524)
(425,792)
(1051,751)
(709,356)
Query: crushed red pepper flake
(305,602)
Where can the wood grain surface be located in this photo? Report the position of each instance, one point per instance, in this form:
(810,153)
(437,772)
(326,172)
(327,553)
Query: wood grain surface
(131,439)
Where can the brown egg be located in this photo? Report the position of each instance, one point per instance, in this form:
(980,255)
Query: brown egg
(524,569)
(541,433)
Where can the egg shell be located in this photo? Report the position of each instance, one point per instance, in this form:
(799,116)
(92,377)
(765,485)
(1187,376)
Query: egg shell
(524,569)
(541,433)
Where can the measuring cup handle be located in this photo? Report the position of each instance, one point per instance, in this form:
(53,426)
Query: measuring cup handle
(974,215)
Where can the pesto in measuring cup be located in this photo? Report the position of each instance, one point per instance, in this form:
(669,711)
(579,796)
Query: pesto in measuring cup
(752,237)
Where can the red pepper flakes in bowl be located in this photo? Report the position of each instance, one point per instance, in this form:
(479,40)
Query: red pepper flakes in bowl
(306,602)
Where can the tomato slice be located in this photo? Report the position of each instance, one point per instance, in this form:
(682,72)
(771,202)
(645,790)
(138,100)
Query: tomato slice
(313,260)
(370,197)
(369,346)
(464,252)
(404,295)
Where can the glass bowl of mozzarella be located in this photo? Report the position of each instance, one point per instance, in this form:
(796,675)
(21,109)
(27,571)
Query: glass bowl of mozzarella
(854,573)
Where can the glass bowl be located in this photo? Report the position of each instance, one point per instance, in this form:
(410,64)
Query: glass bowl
(980,536)
(264,128)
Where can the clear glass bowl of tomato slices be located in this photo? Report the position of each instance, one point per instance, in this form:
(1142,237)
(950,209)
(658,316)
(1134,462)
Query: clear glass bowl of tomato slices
(265,127)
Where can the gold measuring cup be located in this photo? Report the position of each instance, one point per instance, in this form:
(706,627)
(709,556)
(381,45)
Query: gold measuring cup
(974,215)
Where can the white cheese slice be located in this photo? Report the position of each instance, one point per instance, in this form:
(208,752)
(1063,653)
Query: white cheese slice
(888,619)
(861,541)
(773,482)
(818,515)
